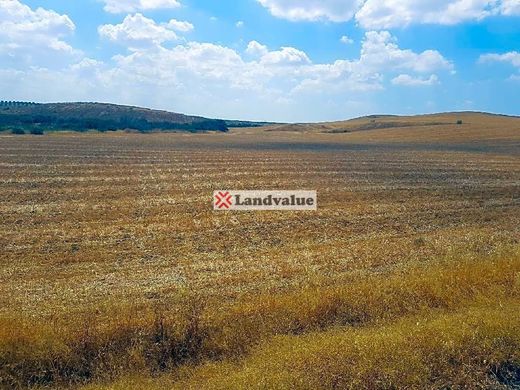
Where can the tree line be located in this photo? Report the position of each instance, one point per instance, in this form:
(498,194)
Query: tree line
(20,121)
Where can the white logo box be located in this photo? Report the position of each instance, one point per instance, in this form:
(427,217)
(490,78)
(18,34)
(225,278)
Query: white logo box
(225,200)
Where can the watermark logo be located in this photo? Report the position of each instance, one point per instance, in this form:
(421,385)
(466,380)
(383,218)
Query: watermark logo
(223,200)
(265,200)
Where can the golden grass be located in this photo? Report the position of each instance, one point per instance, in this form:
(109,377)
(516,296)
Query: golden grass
(113,262)
(476,128)
(478,347)
(374,298)
(147,339)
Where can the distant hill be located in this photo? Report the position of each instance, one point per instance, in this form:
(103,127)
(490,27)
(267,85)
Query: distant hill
(34,117)
(482,131)
(382,122)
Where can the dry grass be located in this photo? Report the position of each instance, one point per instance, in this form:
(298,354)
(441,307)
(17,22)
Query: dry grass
(477,347)
(476,128)
(113,261)
(449,325)
(139,339)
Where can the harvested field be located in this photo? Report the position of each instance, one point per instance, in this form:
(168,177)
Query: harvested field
(113,262)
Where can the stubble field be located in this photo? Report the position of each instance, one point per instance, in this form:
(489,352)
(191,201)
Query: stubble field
(115,272)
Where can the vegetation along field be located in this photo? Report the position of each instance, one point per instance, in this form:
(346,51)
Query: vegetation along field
(115,272)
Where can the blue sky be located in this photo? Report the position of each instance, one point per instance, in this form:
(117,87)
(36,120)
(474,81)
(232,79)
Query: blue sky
(279,60)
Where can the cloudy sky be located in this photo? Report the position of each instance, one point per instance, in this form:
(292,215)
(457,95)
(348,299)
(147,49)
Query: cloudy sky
(283,60)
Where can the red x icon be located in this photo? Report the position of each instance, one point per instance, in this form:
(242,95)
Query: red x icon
(223,200)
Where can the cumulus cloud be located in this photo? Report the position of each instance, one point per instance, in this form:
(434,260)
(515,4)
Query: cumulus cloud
(313,10)
(183,63)
(283,72)
(410,81)
(256,49)
(510,7)
(285,56)
(513,57)
(346,40)
(382,14)
(137,30)
(128,6)
(380,55)
(380,51)
(211,79)
(397,13)
(33,35)
(86,63)
(181,26)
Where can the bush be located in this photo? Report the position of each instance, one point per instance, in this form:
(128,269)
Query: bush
(37,132)
(17,131)
(459,122)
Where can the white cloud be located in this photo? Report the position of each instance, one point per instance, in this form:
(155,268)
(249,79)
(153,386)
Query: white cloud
(513,57)
(383,14)
(214,80)
(128,6)
(346,40)
(285,56)
(137,30)
(380,55)
(510,7)
(239,24)
(86,63)
(313,10)
(256,49)
(29,35)
(192,60)
(215,70)
(379,14)
(410,81)
(180,26)
(380,51)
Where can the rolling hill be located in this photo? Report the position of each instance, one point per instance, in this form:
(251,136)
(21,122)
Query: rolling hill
(35,117)
(380,122)
(442,128)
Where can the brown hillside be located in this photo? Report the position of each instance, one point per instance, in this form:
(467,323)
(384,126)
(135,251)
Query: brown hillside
(420,128)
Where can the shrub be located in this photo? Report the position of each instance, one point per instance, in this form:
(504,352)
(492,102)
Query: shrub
(17,131)
(37,132)
(459,122)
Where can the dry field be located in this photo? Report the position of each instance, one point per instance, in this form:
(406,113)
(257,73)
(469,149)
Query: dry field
(116,273)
